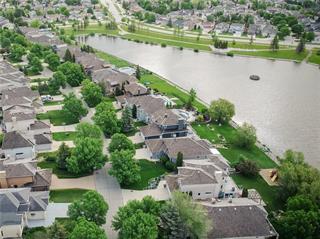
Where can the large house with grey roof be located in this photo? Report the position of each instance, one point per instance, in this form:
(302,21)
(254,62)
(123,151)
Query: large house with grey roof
(18,206)
(10,76)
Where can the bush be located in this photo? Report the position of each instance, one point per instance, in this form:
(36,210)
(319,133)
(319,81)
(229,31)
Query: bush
(165,161)
(163,44)
(245,136)
(180,48)
(230,54)
(196,50)
(318,52)
(247,167)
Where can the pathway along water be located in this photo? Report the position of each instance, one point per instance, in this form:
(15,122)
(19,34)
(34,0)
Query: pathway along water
(284,105)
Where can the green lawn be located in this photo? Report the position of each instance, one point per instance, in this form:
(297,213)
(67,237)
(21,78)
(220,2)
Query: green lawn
(148,171)
(91,29)
(66,195)
(56,117)
(64,136)
(224,135)
(61,173)
(281,54)
(314,58)
(48,103)
(267,192)
(112,59)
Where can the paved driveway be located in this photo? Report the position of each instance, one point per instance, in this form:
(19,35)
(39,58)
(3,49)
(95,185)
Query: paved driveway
(54,210)
(51,107)
(110,189)
(56,144)
(87,182)
(64,128)
(137,138)
(143,154)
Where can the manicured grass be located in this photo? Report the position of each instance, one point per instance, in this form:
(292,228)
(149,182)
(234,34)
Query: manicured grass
(314,58)
(281,54)
(267,192)
(112,59)
(61,173)
(56,117)
(96,28)
(64,136)
(148,171)
(224,135)
(66,195)
(48,103)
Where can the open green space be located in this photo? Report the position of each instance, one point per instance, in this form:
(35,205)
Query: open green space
(92,28)
(56,117)
(61,173)
(64,136)
(49,103)
(315,58)
(112,59)
(149,170)
(268,193)
(224,135)
(66,195)
(280,54)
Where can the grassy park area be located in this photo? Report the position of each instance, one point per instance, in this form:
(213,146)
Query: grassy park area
(93,28)
(66,195)
(315,56)
(64,136)
(57,117)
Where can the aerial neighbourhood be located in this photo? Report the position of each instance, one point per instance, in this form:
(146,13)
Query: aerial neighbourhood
(95,147)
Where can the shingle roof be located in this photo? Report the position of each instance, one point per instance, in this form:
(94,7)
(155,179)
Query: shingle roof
(39,125)
(136,89)
(42,139)
(239,221)
(14,140)
(19,113)
(15,170)
(18,96)
(148,103)
(191,176)
(42,178)
(150,130)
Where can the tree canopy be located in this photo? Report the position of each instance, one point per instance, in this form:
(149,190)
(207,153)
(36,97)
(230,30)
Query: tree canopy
(92,93)
(87,230)
(85,129)
(221,111)
(245,136)
(73,73)
(73,107)
(120,142)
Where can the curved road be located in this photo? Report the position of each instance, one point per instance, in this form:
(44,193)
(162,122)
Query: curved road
(112,9)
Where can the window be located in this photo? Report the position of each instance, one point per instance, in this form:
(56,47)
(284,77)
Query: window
(32,214)
(208,192)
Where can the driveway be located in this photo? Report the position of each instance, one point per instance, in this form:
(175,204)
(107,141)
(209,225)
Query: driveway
(137,138)
(56,144)
(143,154)
(54,210)
(51,107)
(110,189)
(64,128)
(87,182)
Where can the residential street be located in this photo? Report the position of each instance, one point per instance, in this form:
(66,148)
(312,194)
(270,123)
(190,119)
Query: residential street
(110,189)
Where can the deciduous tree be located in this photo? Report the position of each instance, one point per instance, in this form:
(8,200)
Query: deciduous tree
(92,93)
(121,142)
(221,111)
(73,107)
(73,73)
(87,230)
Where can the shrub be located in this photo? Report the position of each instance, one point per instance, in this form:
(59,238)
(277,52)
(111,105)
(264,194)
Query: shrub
(180,48)
(163,44)
(230,54)
(196,50)
(245,136)
(247,167)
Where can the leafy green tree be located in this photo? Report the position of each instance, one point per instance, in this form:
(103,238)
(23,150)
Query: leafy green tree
(91,206)
(124,167)
(247,167)
(16,52)
(37,50)
(138,72)
(245,136)
(64,152)
(126,119)
(73,107)
(179,161)
(73,73)
(86,157)
(35,65)
(60,78)
(53,61)
(57,231)
(88,130)
(297,29)
(310,36)
(121,142)
(87,230)
(5,43)
(193,215)
(92,93)
(171,224)
(221,111)
(275,43)
(191,99)
(301,46)
(68,56)
(106,118)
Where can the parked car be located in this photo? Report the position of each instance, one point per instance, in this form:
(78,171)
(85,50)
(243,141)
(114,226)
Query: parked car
(45,98)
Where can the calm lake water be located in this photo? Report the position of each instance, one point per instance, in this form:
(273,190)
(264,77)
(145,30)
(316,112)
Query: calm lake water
(284,105)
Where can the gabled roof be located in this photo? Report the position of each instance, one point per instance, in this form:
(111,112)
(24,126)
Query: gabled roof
(14,140)
(192,176)
(42,139)
(136,89)
(15,170)
(18,96)
(19,113)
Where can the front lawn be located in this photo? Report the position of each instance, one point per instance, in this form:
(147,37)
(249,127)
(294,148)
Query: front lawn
(224,135)
(315,58)
(49,103)
(112,59)
(148,171)
(61,173)
(64,136)
(57,117)
(267,192)
(66,195)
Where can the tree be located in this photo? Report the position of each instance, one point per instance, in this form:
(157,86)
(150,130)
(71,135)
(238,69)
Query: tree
(57,231)
(87,230)
(106,118)
(275,43)
(245,136)
(73,73)
(58,80)
(37,50)
(221,111)
(92,93)
(171,224)
(53,61)
(16,52)
(124,167)
(301,46)
(121,142)
(64,152)
(86,156)
(91,206)
(247,167)
(35,65)
(126,119)
(310,36)
(147,205)
(179,161)
(68,56)
(191,99)
(138,72)
(193,215)
(134,111)
(297,29)
(73,107)
(88,130)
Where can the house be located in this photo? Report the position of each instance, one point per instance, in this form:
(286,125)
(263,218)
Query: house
(10,77)
(17,207)
(254,29)
(236,29)
(15,146)
(189,147)
(5,23)
(221,28)
(239,218)
(24,174)
(135,89)
(18,118)
(268,31)
(111,79)
(89,62)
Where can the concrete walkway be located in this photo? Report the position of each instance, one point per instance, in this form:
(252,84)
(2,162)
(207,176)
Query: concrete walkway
(64,128)
(87,182)
(47,108)
(110,189)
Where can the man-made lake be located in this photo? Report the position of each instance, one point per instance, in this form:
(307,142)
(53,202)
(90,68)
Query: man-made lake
(284,105)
